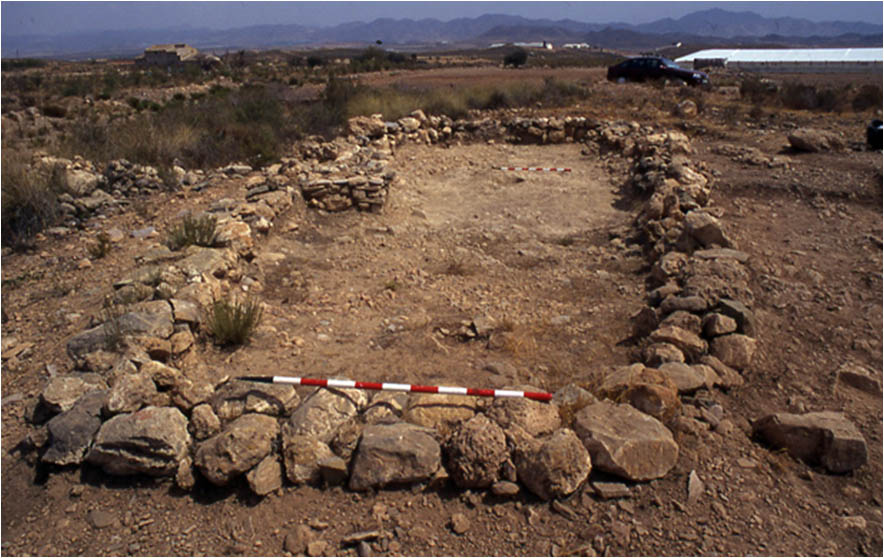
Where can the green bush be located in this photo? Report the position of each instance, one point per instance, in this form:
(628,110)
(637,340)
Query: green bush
(193,230)
(29,199)
(233,322)
(516,58)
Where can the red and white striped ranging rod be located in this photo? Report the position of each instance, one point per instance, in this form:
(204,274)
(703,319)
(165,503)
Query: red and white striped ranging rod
(536,395)
(543,169)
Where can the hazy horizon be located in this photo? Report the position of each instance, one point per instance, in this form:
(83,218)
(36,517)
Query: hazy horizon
(61,18)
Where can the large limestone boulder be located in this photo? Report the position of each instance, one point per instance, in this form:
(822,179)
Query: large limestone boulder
(441,412)
(475,453)
(302,455)
(80,182)
(656,354)
(239,447)
(385,405)
(324,411)
(266,476)
(409,124)
(366,126)
(681,318)
(71,433)
(706,229)
(626,442)
(151,441)
(744,317)
(148,324)
(813,140)
(399,453)
(553,466)
(204,423)
(62,392)
(734,350)
(536,417)
(130,393)
(688,379)
(827,438)
(235,398)
(647,389)
(689,343)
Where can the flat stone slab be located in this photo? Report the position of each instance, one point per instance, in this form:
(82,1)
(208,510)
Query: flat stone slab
(151,441)
(626,442)
(397,453)
(827,438)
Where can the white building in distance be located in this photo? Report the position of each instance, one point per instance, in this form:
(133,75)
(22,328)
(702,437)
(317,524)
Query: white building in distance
(803,60)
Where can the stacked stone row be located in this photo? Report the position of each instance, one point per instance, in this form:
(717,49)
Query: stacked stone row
(136,413)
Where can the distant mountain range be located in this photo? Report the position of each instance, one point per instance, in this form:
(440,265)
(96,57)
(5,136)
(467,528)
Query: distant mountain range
(715,26)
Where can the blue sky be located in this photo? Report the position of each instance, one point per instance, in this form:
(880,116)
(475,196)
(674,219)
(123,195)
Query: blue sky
(53,18)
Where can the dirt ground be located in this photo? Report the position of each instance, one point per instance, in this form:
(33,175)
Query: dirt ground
(547,257)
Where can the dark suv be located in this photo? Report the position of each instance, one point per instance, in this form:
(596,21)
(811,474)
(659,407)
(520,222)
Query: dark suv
(654,67)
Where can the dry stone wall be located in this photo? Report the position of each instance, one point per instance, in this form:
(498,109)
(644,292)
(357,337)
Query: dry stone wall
(131,411)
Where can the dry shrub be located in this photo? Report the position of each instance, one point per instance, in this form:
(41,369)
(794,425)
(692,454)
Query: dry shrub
(800,96)
(756,90)
(517,339)
(459,266)
(254,124)
(193,230)
(29,199)
(232,322)
(868,97)
(112,327)
(101,247)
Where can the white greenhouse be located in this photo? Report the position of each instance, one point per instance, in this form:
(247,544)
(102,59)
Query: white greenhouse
(804,60)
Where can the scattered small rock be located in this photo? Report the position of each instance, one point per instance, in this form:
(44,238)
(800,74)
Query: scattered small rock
(460,524)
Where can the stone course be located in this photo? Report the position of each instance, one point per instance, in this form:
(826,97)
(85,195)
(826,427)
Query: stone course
(696,333)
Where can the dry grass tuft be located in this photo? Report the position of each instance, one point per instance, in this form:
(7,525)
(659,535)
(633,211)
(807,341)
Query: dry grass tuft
(233,322)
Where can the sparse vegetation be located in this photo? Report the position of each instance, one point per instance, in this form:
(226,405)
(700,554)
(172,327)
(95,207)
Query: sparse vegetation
(193,230)
(459,266)
(233,322)
(868,97)
(11,64)
(101,247)
(796,95)
(30,201)
(112,328)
